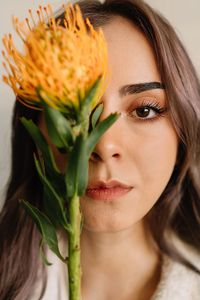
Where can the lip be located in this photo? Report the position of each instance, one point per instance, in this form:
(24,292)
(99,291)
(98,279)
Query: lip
(110,190)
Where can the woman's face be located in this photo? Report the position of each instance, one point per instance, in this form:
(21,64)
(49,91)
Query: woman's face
(140,149)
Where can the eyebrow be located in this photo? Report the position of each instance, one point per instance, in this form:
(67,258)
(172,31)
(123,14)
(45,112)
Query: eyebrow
(140,87)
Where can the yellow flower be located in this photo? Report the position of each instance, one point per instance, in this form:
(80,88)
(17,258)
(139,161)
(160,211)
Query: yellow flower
(64,61)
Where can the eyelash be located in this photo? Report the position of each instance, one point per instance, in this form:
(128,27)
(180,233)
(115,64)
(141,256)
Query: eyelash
(160,111)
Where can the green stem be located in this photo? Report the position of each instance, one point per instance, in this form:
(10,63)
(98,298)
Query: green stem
(74,269)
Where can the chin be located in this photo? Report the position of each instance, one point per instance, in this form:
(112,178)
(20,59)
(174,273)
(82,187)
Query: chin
(110,226)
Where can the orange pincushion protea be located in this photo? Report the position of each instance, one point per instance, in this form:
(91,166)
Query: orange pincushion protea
(64,61)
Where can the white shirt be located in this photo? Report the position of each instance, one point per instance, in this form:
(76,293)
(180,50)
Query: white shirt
(177,281)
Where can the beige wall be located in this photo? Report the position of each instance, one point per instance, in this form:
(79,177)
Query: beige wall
(185,16)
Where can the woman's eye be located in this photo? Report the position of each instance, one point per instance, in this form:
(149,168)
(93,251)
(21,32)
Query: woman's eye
(144,112)
(147,112)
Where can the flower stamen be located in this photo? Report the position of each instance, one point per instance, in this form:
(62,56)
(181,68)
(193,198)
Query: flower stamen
(64,61)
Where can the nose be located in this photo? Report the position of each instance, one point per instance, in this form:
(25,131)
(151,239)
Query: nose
(109,146)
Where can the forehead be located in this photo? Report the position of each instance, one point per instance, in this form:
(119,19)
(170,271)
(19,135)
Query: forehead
(130,55)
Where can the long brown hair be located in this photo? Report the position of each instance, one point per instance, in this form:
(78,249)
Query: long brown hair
(178,208)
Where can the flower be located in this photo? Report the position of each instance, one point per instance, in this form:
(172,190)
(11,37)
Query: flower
(65,61)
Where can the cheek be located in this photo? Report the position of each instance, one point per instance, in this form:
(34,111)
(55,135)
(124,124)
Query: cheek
(105,216)
(148,162)
(157,161)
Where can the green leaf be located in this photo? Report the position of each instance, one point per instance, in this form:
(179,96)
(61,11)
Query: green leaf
(91,93)
(49,208)
(82,169)
(99,130)
(87,102)
(96,114)
(42,144)
(82,223)
(45,227)
(77,171)
(42,254)
(54,204)
(57,179)
(59,128)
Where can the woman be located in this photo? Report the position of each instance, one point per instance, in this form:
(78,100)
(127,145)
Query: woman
(141,236)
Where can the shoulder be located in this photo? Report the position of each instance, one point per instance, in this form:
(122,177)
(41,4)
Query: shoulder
(178,281)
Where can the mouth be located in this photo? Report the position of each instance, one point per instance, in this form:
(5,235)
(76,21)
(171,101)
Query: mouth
(108,191)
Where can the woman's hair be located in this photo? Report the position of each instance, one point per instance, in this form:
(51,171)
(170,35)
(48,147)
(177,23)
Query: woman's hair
(178,208)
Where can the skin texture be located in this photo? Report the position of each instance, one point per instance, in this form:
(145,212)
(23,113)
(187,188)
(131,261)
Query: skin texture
(138,152)
(133,151)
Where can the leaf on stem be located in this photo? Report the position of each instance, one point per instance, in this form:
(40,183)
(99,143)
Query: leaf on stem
(58,126)
(99,130)
(96,114)
(45,227)
(42,254)
(77,171)
(54,204)
(90,99)
(92,92)
(42,144)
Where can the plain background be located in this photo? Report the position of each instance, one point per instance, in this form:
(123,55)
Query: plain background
(184,16)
